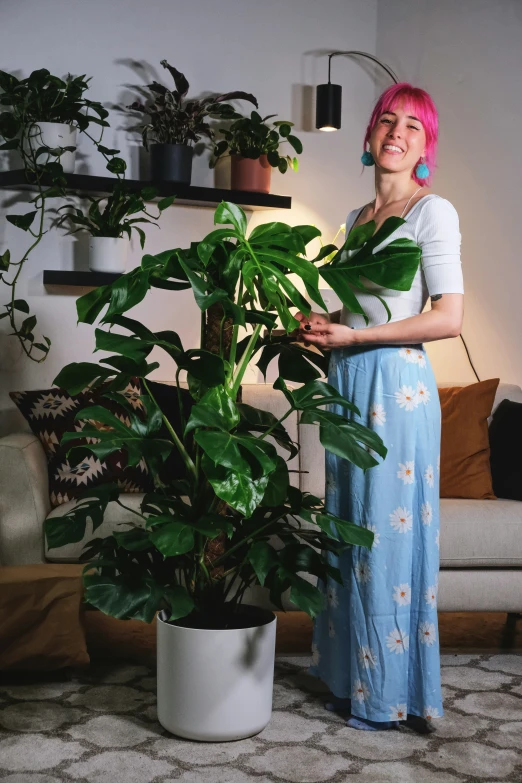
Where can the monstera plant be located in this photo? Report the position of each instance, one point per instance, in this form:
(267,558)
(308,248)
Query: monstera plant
(236,485)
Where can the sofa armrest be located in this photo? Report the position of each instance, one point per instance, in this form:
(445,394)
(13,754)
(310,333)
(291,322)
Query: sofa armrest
(24,499)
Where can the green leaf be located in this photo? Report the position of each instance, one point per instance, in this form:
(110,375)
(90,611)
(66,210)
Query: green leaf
(131,347)
(78,375)
(343,437)
(180,602)
(231,213)
(220,401)
(173,538)
(115,165)
(164,203)
(204,366)
(260,317)
(22,221)
(277,488)
(89,306)
(262,558)
(28,325)
(21,304)
(306,597)
(296,143)
(5,260)
(222,449)
(240,491)
(123,598)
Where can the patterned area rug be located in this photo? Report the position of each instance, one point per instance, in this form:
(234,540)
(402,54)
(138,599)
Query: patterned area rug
(101,727)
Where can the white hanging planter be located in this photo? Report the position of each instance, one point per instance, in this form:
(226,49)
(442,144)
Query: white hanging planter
(216,685)
(52,134)
(108,254)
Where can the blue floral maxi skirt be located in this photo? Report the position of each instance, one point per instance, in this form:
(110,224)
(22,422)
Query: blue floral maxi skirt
(377,640)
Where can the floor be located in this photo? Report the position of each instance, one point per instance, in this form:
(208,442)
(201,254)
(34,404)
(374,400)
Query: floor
(100,726)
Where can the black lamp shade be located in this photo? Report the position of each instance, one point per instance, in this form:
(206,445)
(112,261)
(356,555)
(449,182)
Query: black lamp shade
(328,106)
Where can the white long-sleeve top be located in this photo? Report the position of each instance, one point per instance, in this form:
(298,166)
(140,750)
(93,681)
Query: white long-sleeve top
(433,224)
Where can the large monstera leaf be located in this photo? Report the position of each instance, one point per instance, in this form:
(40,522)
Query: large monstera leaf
(394,266)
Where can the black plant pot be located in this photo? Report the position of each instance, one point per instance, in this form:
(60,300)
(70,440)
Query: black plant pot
(171,163)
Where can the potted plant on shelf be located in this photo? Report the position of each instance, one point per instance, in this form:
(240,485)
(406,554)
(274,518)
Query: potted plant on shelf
(111,226)
(174,124)
(40,117)
(212,649)
(42,114)
(254,150)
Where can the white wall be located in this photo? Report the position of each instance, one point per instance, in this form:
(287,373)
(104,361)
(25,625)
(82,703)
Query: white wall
(468,55)
(273,49)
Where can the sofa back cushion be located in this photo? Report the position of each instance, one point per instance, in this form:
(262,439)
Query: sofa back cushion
(464,459)
(505,437)
(51,412)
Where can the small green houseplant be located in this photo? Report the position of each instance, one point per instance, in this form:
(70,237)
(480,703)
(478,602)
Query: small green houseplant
(40,118)
(253,145)
(236,484)
(111,225)
(174,124)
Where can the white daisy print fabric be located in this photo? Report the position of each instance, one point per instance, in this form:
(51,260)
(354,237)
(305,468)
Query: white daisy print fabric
(429,475)
(399,712)
(378,414)
(360,691)
(401,520)
(367,657)
(385,653)
(406,472)
(407,398)
(423,393)
(397,642)
(362,572)
(426,513)
(430,596)
(402,594)
(427,633)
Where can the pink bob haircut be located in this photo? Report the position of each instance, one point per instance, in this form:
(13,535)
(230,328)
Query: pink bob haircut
(421,105)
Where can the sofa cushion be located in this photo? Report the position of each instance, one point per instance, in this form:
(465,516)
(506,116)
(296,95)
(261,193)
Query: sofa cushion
(115,519)
(40,608)
(480,533)
(464,460)
(505,437)
(51,412)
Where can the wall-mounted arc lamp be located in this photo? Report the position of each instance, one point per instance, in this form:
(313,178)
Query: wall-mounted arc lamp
(329,96)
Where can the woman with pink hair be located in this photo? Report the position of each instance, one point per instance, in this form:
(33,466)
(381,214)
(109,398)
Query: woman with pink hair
(376,644)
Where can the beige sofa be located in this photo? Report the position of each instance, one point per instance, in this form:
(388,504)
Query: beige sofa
(480,542)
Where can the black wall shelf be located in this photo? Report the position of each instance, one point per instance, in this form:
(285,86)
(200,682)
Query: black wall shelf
(64,277)
(186,195)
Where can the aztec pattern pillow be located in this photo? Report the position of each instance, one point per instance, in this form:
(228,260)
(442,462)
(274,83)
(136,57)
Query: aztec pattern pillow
(51,412)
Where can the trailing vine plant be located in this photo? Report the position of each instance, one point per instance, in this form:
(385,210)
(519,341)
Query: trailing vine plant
(42,97)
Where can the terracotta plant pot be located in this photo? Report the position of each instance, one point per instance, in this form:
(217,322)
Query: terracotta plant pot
(248,174)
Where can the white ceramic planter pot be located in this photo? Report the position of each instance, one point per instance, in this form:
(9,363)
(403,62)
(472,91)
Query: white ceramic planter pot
(53,134)
(216,686)
(108,254)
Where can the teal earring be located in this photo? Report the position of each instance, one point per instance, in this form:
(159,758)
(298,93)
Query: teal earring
(367,159)
(422,171)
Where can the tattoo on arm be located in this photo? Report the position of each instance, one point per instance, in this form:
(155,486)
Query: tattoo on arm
(436,297)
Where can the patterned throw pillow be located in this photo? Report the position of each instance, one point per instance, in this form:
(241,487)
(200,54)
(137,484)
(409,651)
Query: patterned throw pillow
(51,412)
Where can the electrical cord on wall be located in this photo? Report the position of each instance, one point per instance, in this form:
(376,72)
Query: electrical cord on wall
(469,357)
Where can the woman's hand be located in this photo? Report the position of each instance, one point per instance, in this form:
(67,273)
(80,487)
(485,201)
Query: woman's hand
(326,335)
(313,318)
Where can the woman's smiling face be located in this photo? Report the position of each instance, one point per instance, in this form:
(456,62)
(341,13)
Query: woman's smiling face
(398,140)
